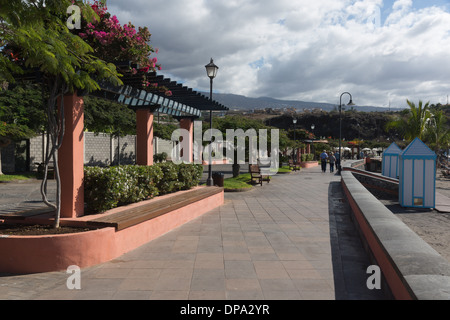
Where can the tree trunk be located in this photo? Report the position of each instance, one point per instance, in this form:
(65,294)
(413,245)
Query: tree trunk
(236,170)
(56,134)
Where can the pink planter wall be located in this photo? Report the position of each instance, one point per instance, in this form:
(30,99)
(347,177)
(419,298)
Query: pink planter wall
(309,164)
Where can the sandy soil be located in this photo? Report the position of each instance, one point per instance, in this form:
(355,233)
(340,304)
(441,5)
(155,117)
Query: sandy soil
(431,225)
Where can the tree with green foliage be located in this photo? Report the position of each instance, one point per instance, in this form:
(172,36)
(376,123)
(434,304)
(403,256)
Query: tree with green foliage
(36,42)
(164,130)
(22,114)
(35,38)
(438,132)
(103,116)
(247,126)
(413,123)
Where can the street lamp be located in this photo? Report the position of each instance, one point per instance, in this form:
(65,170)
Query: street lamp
(294,121)
(312,139)
(340,127)
(211,71)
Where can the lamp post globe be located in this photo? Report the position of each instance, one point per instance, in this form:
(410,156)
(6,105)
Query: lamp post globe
(340,128)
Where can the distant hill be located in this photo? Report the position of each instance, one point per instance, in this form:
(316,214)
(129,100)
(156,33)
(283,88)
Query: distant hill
(239,102)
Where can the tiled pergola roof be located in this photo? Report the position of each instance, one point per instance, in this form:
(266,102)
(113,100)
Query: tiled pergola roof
(183,101)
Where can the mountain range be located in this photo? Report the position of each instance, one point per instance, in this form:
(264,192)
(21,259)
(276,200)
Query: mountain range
(239,102)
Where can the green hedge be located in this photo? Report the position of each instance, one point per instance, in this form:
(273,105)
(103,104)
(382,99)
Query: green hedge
(107,188)
(307,157)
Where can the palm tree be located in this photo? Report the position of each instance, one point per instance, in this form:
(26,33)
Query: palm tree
(414,125)
(438,133)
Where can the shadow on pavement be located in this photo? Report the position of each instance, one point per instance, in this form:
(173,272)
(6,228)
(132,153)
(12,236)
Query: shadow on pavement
(349,258)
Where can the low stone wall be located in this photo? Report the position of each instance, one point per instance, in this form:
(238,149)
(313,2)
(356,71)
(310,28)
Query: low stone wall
(374,182)
(99,150)
(411,268)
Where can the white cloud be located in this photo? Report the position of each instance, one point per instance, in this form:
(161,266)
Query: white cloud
(298,49)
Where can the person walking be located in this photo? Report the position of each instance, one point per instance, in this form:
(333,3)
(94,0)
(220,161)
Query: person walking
(337,155)
(332,160)
(323,159)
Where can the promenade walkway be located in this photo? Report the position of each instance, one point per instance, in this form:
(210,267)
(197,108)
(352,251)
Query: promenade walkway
(289,239)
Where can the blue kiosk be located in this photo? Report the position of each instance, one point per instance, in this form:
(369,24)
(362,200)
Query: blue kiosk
(417,176)
(390,161)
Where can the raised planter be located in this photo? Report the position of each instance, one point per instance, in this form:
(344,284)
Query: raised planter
(215,162)
(33,254)
(309,164)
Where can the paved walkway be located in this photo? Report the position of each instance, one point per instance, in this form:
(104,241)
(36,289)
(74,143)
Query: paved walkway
(289,239)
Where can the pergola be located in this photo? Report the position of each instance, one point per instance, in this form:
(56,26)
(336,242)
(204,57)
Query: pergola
(184,104)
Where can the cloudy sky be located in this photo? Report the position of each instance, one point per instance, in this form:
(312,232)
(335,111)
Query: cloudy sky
(380,51)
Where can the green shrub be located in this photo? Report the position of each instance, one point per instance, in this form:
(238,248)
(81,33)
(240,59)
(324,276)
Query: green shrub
(307,157)
(145,179)
(170,182)
(107,188)
(101,188)
(189,175)
(160,157)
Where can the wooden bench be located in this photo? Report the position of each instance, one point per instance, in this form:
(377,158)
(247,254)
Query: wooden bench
(132,216)
(255,174)
(293,165)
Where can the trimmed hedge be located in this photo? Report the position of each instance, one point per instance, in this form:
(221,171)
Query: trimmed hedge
(307,157)
(107,188)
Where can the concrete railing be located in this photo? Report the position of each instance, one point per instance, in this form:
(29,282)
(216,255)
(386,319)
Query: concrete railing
(410,266)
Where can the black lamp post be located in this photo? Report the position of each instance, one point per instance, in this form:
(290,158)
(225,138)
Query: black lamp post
(340,127)
(312,139)
(211,71)
(294,121)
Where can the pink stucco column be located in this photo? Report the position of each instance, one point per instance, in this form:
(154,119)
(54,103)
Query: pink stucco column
(144,138)
(188,153)
(71,158)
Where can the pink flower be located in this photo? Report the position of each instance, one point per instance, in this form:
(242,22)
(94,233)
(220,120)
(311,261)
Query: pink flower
(114,19)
